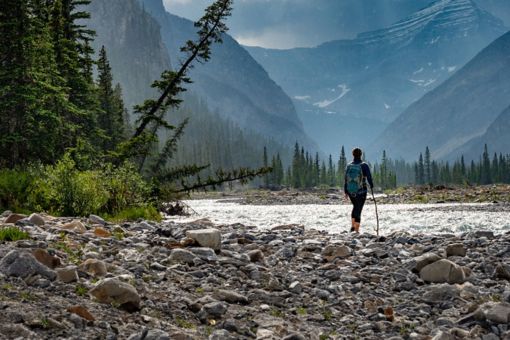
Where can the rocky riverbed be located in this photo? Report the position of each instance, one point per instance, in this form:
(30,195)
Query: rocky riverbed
(90,279)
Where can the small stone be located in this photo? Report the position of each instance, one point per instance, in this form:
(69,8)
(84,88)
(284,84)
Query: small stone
(294,336)
(332,252)
(45,258)
(182,256)
(82,312)
(101,232)
(484,233)
(499,313)
(94,267)
(443,271)
(13,218)
(231,297)
(456,249)
(210,238)
(256,255)
(295,287)
(213,310)
(94,219)
(67,274)
(36,219)
(502,272)
(206,254)
(443,336)
(75,226)
(23,264)
(112,290)
(440,293)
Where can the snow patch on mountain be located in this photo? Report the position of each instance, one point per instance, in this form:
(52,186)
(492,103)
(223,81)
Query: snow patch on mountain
(325,103)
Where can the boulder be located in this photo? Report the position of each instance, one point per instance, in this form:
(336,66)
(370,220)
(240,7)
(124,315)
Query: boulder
(36,219)
(502,272)
(23,264)
(440,293)
(499,313)
(455,249)
(67,274)
(332,252)
(94,267)
(210,238)
(13,218)
(182,256)
(423,260)
(46,258)
(256,255)
(75,226)
(231,297)
(206,254)
(94,219)
(443,271)
(112,290)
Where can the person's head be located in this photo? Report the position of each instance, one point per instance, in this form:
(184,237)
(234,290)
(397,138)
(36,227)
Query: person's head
(357,153)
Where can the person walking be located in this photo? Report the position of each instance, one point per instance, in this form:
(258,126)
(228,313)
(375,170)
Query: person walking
(357,177)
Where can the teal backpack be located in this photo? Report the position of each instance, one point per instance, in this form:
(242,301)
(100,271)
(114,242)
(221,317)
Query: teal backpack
(354,178)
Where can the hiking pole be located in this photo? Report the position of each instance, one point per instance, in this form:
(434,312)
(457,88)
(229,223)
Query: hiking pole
(376,213)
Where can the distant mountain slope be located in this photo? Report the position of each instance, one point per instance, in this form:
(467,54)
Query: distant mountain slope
(134,45)
(497,137)
(380,73)
(233,83)
(460,109)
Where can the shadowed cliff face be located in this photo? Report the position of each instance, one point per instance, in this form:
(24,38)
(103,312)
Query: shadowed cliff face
(462,110)
(134,45)
(233,83)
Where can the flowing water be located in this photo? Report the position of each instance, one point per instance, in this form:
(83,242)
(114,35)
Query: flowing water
(414,218)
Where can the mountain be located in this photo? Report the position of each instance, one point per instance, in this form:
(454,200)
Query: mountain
(348,89)
(134,45)
(233,83)
(462,108)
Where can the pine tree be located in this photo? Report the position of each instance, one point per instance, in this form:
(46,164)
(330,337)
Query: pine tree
(485,175)
(265,164)
(421,171)
(342,164)
(427,165)
(331,173)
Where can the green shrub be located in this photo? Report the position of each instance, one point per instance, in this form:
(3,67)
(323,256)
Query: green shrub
(14,188)
(10,234)
(134,213)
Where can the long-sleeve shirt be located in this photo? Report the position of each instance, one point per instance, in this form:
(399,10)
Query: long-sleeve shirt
(367,176)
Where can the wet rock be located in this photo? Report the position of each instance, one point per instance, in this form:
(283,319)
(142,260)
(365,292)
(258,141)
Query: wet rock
(332,252)
(13,218)
(484,233)
(209,238)
(182,256)
(76,226)
(23,264)
(67,274)
(443,271)
(112,290)
(456,249)
(94,267)
(94,219)
(206,254)
(36,219)
(46,258)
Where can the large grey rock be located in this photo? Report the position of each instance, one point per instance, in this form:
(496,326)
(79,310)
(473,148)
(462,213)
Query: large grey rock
(206,254)
(94,267)
(36,219)
(456,249)
(333,251)
(23,264)
(182,256)
(210,238)
(441,293)
(67,274)
(443,271)
(94,219)
(421,261)
(231,297)
(499,313)
(112,290)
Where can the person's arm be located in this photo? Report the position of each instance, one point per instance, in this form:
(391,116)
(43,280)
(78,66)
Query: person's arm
(368,175)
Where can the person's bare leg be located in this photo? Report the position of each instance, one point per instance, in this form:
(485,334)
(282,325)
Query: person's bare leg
(353,224)
(356,226)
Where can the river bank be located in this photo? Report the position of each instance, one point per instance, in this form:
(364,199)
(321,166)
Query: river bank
(406,195)
(86,278)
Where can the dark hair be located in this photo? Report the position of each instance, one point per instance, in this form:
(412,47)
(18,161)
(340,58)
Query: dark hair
(357,153)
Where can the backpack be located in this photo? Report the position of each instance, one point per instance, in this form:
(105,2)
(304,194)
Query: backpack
(354,178)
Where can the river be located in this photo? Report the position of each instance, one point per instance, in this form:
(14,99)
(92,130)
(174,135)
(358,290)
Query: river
(414,218)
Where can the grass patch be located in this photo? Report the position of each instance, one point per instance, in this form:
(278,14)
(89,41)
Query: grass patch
(301,311)
(132,214)
(180,322)
(10,234)
(81,290)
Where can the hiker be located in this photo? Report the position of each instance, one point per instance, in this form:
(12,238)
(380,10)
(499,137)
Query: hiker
(357,174)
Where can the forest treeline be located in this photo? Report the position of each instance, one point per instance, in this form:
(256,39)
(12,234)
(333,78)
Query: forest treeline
(310,171)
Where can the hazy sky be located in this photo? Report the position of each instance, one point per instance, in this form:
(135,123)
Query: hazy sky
(299,23)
